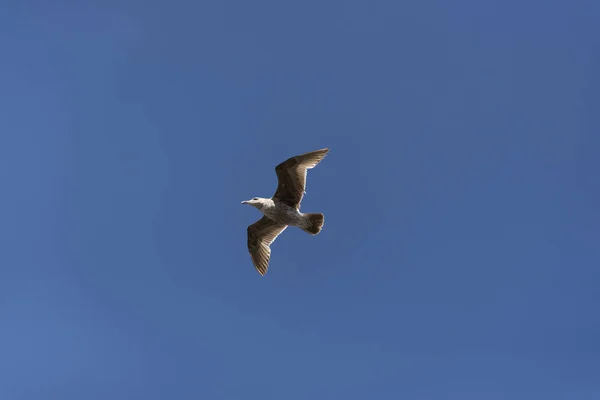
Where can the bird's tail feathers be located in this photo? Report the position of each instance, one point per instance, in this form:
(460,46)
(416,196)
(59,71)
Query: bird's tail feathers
(314,223)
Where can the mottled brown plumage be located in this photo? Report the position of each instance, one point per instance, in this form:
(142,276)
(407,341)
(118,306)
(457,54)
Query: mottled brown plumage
(260,236)
(283,209)
(291,177)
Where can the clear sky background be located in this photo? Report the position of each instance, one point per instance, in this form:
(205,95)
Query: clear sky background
(460,257)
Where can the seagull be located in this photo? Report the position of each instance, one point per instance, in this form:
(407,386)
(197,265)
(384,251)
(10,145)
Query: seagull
(283,209)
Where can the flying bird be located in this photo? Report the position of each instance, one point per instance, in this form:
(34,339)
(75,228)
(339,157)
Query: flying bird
(283,209)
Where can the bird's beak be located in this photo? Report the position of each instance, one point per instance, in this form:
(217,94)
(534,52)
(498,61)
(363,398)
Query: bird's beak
(244,202)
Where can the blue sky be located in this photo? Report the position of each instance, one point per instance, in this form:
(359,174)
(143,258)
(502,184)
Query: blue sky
(460,255)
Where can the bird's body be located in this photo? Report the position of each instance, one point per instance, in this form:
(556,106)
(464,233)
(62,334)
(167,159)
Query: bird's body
(283,209)
(281,212)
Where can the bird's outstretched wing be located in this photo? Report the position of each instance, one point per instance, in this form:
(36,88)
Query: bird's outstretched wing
(260,236)
(291,176)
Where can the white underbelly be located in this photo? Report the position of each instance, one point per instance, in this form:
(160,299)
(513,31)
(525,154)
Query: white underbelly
(286,216)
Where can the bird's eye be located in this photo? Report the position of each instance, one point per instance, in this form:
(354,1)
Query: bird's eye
(256,198)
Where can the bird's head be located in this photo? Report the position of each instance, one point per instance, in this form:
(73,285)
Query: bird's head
(255,202)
